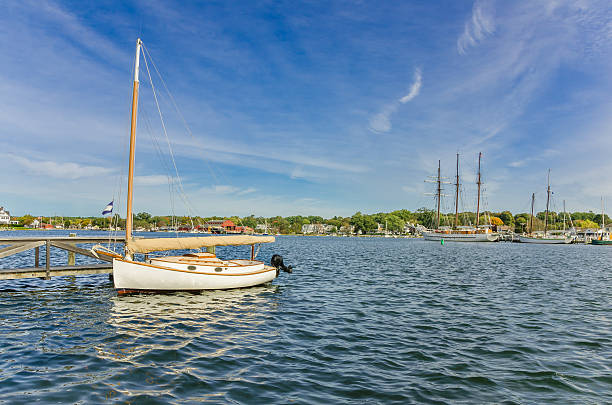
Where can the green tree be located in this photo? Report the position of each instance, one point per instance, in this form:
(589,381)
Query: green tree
(143,216)
(426,217)
(507,218)
(395,223)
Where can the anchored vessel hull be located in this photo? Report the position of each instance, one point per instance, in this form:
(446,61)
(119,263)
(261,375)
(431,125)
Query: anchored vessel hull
(548,240)
(461,237)
(601,242)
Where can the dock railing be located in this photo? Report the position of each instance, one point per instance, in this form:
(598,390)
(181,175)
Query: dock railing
(13,246)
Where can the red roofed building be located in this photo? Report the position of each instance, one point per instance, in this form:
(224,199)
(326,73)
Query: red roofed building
(244,229)
(220,225)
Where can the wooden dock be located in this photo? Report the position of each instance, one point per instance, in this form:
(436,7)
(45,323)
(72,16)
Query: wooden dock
(55,244)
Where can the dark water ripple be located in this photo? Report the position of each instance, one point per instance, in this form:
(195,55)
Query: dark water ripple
(361,320)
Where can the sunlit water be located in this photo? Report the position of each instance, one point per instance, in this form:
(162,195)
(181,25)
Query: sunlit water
(361,320)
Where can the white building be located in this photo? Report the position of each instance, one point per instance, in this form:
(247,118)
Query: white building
(320,229)
(5,217)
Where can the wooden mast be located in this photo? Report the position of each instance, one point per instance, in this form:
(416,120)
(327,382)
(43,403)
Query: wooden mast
(130,190)
(478,201)
(439,197)
(547,203)
(457,195)
(531,217)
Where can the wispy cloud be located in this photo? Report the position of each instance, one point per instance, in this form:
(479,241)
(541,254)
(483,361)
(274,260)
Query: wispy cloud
(478,27)
(152,180)
(415,88)
(224,189)
(547,154)
(381,122)
(59,170)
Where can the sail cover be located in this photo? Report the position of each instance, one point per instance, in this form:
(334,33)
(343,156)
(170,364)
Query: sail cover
(161,244)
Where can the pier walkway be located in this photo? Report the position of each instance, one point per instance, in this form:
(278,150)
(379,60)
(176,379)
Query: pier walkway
(13,246)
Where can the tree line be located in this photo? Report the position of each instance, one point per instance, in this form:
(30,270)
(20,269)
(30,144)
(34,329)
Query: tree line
(394,221)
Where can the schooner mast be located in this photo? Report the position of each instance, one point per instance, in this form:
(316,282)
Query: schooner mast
(531,217)
(547,204)
(478,200)
(439,181)
(439,197)
(457,195)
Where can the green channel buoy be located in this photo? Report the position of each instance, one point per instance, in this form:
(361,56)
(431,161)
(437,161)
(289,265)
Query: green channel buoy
(441,241)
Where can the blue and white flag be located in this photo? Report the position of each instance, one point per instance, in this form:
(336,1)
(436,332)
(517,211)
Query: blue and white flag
(109,208)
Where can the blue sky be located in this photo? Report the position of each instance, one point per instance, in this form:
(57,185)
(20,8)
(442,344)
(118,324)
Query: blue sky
(323,108)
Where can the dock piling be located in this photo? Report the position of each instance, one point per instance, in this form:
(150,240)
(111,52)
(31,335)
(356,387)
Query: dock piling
(48,259)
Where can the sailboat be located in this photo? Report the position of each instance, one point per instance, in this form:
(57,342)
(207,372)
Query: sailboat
(460,233)
(546,237)
(193,271)
(604,237)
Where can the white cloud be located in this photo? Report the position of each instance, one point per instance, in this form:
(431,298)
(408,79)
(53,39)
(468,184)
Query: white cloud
(224,189)
(152,180)
(60,170)
(415,88)
(381,122)
(478,27)
(247,191)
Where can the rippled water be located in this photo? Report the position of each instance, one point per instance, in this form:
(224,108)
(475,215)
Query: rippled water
(361,320)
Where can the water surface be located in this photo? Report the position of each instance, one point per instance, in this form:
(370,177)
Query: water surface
(361,320)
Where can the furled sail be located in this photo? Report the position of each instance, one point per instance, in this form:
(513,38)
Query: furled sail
(161,244)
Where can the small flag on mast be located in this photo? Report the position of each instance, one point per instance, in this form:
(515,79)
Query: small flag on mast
(109,208)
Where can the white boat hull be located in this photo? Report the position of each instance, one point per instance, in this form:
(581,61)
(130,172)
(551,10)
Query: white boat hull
(547,241)
(163,276)
(460,237)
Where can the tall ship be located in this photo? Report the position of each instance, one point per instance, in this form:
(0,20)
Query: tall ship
(478,233)
(546,237)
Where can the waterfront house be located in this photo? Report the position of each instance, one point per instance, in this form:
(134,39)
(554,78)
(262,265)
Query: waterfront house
(245,229)
(5,217)
(220,225)
(319,229)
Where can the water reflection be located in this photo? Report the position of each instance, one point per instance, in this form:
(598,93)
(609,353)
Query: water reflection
(166,323)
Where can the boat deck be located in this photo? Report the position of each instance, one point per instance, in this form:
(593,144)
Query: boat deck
(204,259)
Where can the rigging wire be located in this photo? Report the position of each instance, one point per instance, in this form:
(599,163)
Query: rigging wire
(182,193)
(180,114)
(186,125)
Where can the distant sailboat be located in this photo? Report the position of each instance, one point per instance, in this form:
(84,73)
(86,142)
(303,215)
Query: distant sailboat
(460,233)
(604,237)
(546,237)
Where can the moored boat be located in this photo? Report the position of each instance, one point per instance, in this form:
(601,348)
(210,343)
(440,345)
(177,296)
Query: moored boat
(193,271)
(546,237)
(601,242)
(604,237)
(456,235)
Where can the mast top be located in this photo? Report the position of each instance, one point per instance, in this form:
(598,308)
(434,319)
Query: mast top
(137,63)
